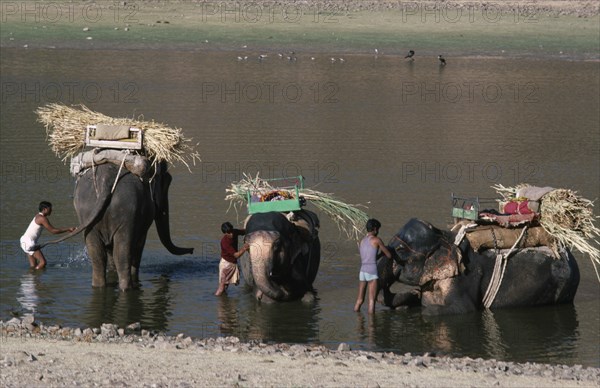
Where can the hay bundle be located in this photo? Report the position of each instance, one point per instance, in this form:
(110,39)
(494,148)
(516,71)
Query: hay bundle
(65,129)
(568,218)
(348,218)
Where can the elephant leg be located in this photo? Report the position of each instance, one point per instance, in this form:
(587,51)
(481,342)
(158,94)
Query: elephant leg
(111,271)
(97,254)
(136,259)
(122,254)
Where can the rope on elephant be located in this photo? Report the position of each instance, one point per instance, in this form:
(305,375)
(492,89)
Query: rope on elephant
(119,172)
(498,274)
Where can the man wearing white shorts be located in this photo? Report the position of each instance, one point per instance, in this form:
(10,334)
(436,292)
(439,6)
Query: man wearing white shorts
(369,247)
(29,240)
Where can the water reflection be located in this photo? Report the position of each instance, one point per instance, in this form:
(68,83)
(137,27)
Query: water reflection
(151,307)
(279,322)
(28,293)
(536,334)
(366,329)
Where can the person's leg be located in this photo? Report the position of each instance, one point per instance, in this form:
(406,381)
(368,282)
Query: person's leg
(32,262)
(372,292)
(362,287)
(221,287)
(41,260)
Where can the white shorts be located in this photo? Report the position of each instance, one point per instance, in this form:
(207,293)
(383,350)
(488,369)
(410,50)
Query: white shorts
(366,277)
(27,245)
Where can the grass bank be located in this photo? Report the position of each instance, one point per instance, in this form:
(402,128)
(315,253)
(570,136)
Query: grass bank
(246,27)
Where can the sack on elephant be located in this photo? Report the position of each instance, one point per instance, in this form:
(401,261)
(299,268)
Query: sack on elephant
(496,237)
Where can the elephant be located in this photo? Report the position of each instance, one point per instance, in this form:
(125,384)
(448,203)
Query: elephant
(453,279)
(284,254)
(115,223)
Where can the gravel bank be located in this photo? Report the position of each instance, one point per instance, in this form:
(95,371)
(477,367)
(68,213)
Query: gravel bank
(33,354)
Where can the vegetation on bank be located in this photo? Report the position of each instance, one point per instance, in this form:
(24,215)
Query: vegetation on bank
(248,27)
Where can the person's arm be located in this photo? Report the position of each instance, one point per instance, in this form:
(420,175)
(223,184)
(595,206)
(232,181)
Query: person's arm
(41,220)
(239,232)
(239,253)
(383,248)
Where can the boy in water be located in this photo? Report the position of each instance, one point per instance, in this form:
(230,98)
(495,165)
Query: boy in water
(29,240)
(228,269)
(369,247)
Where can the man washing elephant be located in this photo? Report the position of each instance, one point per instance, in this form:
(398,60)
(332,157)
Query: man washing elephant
(228,268)
(369,247)
(29,240)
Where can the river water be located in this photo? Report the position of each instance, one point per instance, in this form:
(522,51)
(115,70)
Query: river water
(397,136)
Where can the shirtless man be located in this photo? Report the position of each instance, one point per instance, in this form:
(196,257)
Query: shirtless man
(29,240)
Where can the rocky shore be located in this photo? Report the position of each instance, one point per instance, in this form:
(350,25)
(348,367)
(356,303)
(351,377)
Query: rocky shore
(32,353)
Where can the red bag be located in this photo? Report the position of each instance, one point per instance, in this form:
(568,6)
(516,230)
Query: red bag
(520,207)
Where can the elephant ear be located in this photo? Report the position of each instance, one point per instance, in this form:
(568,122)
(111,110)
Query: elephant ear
(443,263)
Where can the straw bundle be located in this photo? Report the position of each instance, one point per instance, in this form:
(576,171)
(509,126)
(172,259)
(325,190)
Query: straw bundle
(348,218)
(65,131)
(569,218)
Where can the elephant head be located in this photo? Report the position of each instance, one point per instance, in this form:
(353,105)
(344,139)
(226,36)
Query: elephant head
(284,254)
(425,253)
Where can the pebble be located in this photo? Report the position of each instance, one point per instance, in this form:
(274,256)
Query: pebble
(343,347)
(108,332)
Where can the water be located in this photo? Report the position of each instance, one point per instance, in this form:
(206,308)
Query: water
(399,137)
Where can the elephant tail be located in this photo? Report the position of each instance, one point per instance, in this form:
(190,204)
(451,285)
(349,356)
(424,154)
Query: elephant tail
(101,203)
(63,238)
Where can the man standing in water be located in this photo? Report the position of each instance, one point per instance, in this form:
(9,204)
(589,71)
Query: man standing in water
(228,269)
(29,240)
(369,247)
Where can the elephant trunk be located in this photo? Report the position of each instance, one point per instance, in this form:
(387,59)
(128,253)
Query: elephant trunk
(161,215)
(264,256)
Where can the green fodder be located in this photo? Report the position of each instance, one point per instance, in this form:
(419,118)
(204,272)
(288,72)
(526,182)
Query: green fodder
(348,217)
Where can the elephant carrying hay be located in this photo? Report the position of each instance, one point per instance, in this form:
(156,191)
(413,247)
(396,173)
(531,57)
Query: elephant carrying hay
(454,279)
